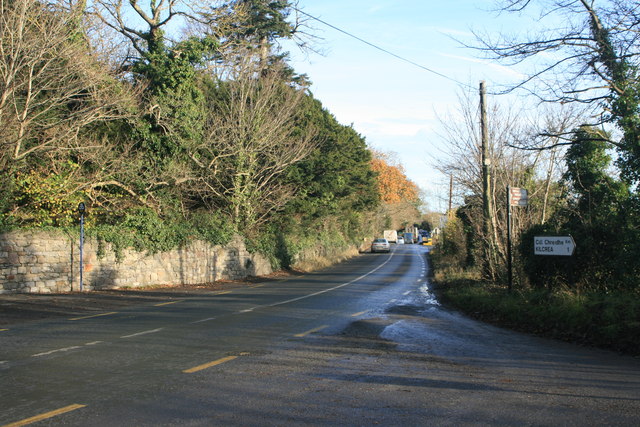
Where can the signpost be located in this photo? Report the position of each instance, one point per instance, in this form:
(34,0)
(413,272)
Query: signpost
(81,210)
(515,197)
(554,245)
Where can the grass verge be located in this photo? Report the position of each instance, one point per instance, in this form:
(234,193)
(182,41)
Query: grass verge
(607,320)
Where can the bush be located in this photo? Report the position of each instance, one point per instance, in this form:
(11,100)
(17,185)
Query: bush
(284,249)
(45,198)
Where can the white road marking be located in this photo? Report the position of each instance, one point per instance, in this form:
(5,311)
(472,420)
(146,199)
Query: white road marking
(153,331)
(61,350)
(331,289)
(56,351)
(275,304)
(204,320)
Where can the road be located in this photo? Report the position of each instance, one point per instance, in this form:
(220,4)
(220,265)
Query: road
(362,343)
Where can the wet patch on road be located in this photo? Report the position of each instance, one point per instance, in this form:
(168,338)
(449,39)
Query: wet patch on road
(405,310)
(366,333)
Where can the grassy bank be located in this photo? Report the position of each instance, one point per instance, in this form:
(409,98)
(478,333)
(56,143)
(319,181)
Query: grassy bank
(607,320)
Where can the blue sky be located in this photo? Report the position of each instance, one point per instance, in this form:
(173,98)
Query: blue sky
(392,103)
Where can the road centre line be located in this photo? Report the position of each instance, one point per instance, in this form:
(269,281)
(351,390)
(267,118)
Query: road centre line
(275,304)
(2,330)
(204,320)
(310,331)
(46,415)
(153,331)
(94,315)
(330,289)
(166,303)
(209,365)
(59,350)
(359,313)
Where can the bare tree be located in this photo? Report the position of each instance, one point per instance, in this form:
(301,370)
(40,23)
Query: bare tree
(250,141)
(584,54)
(511,166)
(51,87)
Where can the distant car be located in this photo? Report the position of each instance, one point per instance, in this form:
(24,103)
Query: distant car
(426,241)
(380,245)
(400,240)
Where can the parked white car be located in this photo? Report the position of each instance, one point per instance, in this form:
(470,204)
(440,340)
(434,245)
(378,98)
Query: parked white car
(401,240)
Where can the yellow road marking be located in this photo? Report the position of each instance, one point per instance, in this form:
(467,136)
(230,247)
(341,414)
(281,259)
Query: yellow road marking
(304,334)
(223,292)
(45,415)
(358,314)
(210,364)
(166,303)
(95,315)
(2,330)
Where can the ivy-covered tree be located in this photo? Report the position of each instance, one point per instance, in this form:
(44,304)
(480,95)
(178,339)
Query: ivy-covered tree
(597,210)
(596,215)
(586,54)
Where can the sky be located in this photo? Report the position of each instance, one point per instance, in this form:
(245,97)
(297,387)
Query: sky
(395,105)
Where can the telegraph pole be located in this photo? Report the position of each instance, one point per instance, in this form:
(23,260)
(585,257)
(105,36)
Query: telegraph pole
(509,253)
(486,177)
(486,161)
(450,194)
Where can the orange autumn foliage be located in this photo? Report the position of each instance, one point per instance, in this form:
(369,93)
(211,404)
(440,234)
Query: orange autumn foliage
(393,184)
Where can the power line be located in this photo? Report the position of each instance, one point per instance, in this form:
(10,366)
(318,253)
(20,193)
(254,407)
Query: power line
(382,49)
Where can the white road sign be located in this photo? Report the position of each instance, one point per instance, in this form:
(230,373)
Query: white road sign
(554,245)
(518,196)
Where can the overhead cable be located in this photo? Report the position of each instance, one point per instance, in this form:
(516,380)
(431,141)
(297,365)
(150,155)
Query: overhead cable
(382,49)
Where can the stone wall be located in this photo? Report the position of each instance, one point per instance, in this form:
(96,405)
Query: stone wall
(44,262)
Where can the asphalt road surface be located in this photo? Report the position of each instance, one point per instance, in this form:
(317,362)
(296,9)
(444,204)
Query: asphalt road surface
(362,343)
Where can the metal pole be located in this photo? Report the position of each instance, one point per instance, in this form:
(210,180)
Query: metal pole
(81,247)
(509,254)
(81,209)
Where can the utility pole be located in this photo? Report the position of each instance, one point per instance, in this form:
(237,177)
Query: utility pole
(509,254)
(450,194)
(486,176)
